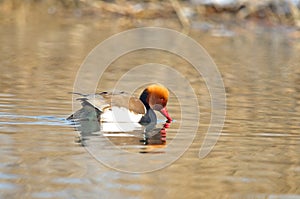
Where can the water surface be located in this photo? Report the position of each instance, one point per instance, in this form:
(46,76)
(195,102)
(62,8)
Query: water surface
(257,155)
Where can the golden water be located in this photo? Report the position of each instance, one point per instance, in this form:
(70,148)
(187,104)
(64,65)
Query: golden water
(257,155)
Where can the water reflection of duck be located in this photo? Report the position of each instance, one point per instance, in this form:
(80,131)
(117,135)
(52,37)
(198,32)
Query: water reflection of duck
(156,136)
(118,111)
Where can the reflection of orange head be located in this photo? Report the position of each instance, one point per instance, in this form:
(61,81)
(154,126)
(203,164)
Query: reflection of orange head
(159,93)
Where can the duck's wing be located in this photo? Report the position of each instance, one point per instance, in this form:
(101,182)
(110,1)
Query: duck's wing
(104,101)
(95,100)
(122,99)
(88,112)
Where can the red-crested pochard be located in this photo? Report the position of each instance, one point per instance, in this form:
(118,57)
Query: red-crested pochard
(121,108)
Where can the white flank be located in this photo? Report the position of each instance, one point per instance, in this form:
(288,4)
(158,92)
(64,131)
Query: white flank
(117,135)
(119,115)
(119,127)
(120,119)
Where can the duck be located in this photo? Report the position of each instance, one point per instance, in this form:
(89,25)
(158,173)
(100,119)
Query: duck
(124,111)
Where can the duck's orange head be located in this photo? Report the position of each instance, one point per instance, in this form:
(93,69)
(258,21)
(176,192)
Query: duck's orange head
(156,97)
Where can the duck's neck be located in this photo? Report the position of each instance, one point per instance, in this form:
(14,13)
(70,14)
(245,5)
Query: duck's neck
(144,97)
(150,116)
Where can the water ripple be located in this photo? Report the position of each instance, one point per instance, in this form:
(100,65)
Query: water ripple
(14,119)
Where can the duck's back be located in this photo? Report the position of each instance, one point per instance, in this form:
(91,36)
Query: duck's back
(109,107)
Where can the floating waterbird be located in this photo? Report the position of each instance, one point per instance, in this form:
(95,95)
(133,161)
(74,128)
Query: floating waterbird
(118,111)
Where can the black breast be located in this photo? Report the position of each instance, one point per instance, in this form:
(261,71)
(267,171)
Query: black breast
(149,117)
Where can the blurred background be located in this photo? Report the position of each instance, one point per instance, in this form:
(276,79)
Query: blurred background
(255,45)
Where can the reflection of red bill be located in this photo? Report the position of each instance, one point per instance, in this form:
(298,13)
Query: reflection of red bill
(167,124)
(163,132)
(165,113)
